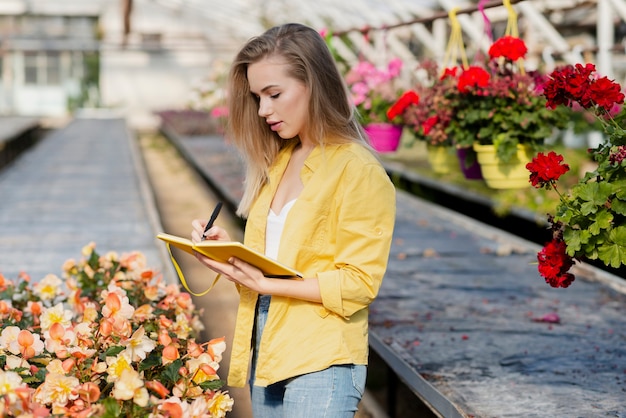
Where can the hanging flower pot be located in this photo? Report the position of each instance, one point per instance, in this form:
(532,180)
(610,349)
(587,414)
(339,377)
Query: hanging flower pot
(441,159)
(384,137)
(501,175)
(469,163)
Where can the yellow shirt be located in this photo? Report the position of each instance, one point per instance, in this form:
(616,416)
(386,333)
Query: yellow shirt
(339,230)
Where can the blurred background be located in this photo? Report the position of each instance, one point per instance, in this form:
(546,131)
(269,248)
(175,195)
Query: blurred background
(138,57)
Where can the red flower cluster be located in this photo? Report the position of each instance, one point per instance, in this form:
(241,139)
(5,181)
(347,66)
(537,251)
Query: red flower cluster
(546,169)
(509,47)
(430,123)
(408,98)
(576,84)
(473,77)
(554,264)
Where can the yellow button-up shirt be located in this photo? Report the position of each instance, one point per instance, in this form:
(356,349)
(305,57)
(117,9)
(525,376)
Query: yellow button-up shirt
(339,230)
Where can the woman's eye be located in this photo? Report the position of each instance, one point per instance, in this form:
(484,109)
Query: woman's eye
(275,96)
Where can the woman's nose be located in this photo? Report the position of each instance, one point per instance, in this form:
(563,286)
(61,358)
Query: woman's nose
(265,108)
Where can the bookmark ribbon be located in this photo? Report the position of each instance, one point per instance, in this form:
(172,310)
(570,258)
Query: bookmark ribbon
(182,277)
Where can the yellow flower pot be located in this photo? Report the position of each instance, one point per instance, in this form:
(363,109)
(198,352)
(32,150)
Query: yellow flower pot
(500,175)
(442,160)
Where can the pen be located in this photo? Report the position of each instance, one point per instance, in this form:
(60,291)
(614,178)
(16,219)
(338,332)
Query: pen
(212,219)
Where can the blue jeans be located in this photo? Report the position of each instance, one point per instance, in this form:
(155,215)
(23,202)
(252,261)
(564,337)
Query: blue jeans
(331,393)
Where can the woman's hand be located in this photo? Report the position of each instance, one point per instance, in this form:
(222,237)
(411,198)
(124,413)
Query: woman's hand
(235,270)
(239,272)
(214,233)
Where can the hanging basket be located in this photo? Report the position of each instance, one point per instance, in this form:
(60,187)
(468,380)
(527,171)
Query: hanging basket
(442,159)
(384,137)
(469,163)
(501,175)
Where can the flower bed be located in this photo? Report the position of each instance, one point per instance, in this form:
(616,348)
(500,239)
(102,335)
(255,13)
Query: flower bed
(110,340)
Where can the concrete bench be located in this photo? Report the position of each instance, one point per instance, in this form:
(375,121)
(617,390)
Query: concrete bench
(16,135)
(81,183)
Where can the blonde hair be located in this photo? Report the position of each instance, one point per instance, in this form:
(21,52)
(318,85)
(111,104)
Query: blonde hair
(331,114)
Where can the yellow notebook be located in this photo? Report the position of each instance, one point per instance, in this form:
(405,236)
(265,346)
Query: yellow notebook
(223,250)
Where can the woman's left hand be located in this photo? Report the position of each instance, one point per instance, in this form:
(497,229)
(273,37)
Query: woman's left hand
(240,272)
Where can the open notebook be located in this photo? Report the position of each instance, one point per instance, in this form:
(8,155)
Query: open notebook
(223,250)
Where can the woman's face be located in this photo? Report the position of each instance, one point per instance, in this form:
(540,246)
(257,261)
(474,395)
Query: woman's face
(283,100)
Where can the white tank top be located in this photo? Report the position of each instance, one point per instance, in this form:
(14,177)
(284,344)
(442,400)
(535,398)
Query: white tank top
(275,226)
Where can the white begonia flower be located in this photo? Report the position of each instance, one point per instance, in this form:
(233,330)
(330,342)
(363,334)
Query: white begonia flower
(56,314)
(9,382)
(139,345)
(8,339)
(57,390)
(131,386)
(48,288)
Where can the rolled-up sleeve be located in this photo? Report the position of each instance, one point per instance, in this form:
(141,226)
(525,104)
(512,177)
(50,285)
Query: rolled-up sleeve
(365,217)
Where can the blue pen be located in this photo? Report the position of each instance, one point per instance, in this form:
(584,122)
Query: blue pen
(212,219)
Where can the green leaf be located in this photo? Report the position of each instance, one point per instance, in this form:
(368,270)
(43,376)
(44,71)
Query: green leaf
(212,384)
(114,351)
(593,194)
(170,373)
(153,360)
(111,408)
(602,221)
(618,206)
(94,260)
(612,255)
(573,239)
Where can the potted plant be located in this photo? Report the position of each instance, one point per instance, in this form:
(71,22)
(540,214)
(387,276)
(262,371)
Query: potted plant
(501,113)
(373,92)
(590,220)
(111,340)
(430,117)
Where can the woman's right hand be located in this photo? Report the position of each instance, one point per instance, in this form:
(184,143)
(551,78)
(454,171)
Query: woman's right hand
(214,233)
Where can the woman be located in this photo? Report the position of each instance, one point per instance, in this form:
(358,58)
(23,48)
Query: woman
(316,199)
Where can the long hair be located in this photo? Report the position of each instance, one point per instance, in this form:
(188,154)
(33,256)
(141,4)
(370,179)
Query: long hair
(331,115)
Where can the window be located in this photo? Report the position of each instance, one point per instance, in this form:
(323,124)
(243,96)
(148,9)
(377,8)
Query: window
(31,68)
(53,68)
(42,68)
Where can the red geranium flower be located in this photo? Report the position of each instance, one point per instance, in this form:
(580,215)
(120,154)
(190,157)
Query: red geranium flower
(554,264)
(576,84)
(546,169)
(449,72)
(429,124)
(473,77)
(408,98)
(509,47)
(606,93)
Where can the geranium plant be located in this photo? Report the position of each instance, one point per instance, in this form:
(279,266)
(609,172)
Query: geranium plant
(494,103)
(111,340)
(590,220)
(374,90)
(501,104)
(430,116)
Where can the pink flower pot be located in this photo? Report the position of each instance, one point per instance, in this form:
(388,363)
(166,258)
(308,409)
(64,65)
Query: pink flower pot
(384,137)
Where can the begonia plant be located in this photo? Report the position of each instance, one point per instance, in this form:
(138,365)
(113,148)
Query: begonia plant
(110,340)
